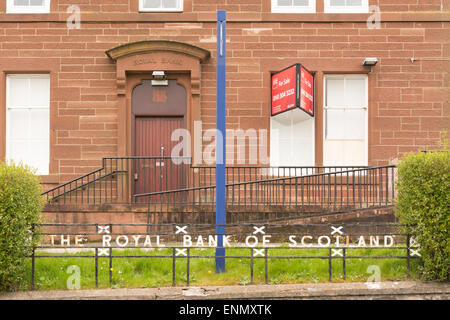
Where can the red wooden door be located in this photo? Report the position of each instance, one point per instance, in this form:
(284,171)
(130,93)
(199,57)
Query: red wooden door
(153,139)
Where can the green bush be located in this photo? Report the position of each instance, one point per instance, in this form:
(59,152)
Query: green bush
(20,207)
(423,203)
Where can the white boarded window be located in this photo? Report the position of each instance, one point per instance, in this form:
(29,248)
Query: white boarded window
(346,6)
(293,6)
(161,5)
(27,6)
(28,120)
(291,140)
(345,120)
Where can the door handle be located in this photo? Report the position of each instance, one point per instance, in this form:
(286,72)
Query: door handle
(136,176)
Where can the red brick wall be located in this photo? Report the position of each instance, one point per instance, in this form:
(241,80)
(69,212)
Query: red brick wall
(408,101)
(200,7)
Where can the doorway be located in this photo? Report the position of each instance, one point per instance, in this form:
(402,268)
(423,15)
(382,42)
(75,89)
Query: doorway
(157,112)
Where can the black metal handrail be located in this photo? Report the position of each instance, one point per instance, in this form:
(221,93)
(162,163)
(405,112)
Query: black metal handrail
(71,181)
(278,179)
(277,198)
(120,178)
(111,168)
(81,187)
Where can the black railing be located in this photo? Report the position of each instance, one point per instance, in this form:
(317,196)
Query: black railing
(321,245)
(121,178)
(276,198)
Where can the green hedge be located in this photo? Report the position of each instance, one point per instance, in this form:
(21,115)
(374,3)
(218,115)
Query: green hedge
(20,207)
(423,202)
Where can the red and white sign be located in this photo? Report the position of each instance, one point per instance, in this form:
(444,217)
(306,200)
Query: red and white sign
(307,91)
(293,87)
(284,90)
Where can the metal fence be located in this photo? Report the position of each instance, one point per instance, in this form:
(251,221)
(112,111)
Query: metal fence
(121,178)
(278,198)
(176,250)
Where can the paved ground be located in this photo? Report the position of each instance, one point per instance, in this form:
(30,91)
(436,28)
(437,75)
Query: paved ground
(382,290)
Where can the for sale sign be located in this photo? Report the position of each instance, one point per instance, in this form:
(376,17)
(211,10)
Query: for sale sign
(284,90)
(307,91)
(292,87)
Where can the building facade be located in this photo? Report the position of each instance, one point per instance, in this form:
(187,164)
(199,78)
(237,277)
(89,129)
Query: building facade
(76,80)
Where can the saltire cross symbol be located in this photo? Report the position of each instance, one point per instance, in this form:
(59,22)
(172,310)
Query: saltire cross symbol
(181,229)
(181,252)
(336,252)
(103,229)
(259,230)
(415,252)
(413,242)
(103,252)
(337,230)
(259,252)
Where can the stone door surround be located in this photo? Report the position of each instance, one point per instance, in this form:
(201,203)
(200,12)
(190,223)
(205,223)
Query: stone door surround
(173,57)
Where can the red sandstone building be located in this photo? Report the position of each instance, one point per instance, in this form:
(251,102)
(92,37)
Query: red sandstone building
(71,95)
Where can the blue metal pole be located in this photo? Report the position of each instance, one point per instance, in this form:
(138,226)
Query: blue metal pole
(220,140)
